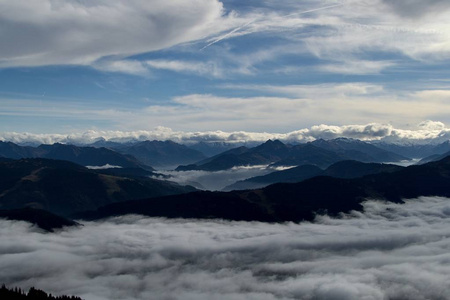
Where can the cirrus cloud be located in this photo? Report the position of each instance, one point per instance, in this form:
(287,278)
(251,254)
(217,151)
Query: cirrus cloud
(47,32)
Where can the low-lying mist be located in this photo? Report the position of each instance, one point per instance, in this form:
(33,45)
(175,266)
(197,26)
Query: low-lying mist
(391,251)
(216,181)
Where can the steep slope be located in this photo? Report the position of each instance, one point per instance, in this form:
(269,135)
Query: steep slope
(294,201)
(63,188)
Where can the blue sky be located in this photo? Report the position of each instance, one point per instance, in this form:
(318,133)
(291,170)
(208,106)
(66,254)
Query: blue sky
(72,66)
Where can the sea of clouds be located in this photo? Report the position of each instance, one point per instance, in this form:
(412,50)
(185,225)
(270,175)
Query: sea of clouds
(391,251)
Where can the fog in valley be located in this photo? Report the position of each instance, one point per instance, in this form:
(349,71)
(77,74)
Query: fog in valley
(392,251)
(217,180)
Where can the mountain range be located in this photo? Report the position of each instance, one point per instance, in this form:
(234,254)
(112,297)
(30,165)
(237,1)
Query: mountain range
(415,150)
(323,181)
(85,156)
(293,201)
(358,150)
(320,153)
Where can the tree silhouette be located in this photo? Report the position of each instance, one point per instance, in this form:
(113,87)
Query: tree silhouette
(33,294)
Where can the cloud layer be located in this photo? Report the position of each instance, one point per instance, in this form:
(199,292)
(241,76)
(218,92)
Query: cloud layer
(392,251)
(425,132)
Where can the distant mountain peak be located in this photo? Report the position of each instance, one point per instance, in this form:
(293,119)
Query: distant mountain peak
(272,144)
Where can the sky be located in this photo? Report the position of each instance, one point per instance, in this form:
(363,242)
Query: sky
(390,251)
(77,67)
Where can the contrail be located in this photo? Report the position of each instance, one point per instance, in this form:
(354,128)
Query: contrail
(227,35)
(316,9)
(248,23)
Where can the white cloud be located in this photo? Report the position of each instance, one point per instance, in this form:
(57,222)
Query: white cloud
(107,166)
(442,96)
(144,68)
(133,67)
(47,32)
(198,67)
(356,66)
(363,27)
(392,251)
(315,91)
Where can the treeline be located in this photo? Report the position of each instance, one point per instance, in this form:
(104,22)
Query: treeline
(33,294)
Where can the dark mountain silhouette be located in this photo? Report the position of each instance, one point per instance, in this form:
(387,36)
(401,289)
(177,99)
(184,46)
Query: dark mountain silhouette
(38,217)
(85,156)
(295,174)
(89,156)
(270,152)
(342,169)
(14,151)
(293,201)
(161,154)
(355,169)
(62,187)
(32,294)
(358,150)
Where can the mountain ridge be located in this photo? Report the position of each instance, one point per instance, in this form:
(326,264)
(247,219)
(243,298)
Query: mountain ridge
(341,169)
(295,202)
(321,153)
(85,156)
